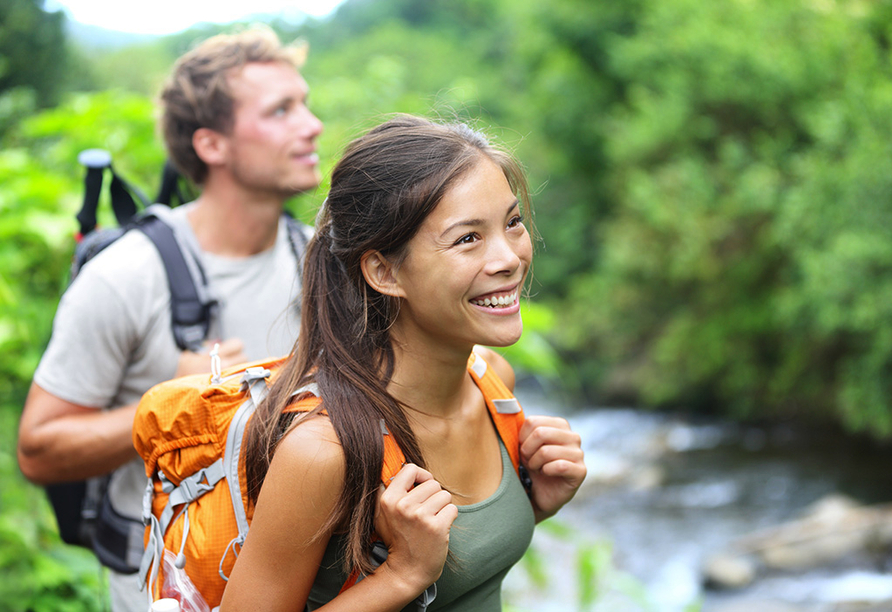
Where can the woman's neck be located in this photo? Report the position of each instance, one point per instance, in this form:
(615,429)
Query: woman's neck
(429,382)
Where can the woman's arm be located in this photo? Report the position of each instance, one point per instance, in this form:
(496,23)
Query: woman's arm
(281,554)
(280,558)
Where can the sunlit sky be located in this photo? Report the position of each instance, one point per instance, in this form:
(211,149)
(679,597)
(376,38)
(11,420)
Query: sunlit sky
(169,16)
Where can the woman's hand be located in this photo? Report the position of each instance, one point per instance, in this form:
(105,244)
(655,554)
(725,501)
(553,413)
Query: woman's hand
(413,519)
(552,453)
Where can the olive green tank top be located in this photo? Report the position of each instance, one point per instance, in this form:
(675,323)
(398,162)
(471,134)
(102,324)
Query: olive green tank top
(486,539)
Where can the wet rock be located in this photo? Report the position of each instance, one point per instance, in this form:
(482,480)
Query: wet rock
(831,530)
(758,605)
(646,477)
(727,571)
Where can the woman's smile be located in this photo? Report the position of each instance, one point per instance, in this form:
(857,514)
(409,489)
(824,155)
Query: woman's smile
(505,303)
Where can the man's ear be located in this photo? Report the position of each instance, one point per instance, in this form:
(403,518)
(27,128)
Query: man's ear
(210,145)
(380,274)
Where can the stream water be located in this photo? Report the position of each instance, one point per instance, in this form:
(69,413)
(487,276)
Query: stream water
(665,491)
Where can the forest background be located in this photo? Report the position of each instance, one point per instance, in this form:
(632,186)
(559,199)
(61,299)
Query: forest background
(713,194)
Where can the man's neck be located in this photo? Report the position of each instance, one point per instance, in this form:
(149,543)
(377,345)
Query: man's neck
(232,223)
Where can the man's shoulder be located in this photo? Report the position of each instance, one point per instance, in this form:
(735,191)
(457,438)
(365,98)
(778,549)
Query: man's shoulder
(131,260)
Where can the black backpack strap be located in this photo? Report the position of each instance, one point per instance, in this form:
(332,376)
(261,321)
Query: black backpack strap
(190,314)
(169,189)
(122,194)
(86,218)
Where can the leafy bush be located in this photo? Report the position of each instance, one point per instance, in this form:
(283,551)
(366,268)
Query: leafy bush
(746,266)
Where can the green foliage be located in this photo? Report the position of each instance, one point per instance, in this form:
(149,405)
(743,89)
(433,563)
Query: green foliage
(38,572)
(745,264)
(40,193)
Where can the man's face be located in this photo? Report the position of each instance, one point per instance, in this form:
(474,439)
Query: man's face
(272,144)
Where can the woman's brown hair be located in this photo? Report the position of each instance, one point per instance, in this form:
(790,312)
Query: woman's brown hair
(382,190)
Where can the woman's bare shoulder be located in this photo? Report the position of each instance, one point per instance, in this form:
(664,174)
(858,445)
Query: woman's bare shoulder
(311,444)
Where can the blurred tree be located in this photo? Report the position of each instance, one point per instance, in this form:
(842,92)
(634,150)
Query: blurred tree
(32,50)
(746,265)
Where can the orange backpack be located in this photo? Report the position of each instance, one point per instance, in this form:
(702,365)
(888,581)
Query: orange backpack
(189,431)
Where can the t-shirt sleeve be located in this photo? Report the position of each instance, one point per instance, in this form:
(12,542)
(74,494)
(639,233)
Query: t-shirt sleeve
(94,332)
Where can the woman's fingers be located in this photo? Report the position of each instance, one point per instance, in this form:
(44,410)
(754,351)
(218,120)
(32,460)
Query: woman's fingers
(547,439)
(414,517)
(414,494)
(553,454)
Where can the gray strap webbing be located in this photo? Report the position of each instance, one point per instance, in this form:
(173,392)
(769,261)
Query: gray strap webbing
(237,426)
(190,489)
(254,379)
(311,388)
(506,406)
(479,366)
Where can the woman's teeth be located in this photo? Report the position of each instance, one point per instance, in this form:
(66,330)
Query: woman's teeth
(497,302)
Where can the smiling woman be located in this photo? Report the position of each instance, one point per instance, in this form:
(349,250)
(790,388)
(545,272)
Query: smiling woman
(171,16)
(420,255)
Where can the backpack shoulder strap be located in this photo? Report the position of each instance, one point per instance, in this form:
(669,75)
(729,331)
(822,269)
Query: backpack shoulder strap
(504,409)
(190,315)
(299,235)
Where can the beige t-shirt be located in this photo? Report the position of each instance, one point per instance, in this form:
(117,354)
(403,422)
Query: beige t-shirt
(112,338)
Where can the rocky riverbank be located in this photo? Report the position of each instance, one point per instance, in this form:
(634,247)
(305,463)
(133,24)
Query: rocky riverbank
(718,517)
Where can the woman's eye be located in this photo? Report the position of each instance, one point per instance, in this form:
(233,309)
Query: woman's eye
(467,239)
(515,221)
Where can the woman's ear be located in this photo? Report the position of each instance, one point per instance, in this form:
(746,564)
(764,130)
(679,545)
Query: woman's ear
(380,274)
(210,146)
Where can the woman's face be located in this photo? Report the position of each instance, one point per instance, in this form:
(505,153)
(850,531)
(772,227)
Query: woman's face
(461,279)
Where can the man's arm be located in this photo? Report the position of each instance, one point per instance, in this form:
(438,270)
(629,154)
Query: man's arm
(61,441)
